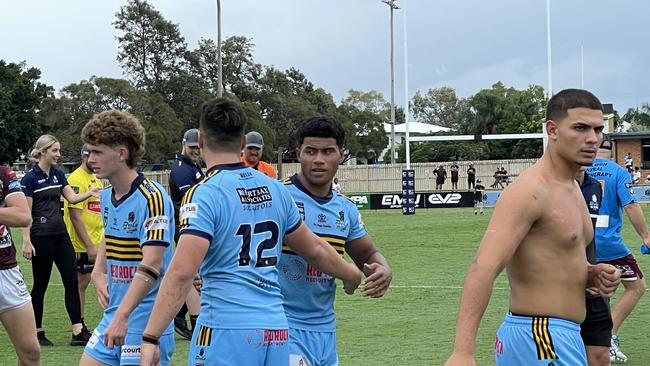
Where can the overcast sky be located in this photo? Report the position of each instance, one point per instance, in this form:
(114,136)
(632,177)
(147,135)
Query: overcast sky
(344,44)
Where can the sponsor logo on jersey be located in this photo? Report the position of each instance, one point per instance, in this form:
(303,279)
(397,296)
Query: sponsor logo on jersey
(293,269)
(268,337)
(254,196)
(301,209)
(189,211)
(156,223)
(94,206)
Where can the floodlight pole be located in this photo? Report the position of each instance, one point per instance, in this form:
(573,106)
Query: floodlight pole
(548,66)
(392,6)
(407,110)
(219,66)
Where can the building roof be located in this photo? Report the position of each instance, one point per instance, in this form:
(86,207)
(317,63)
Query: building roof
(628,135)
(416,128)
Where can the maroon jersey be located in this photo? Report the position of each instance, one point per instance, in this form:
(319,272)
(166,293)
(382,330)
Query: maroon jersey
(9,184)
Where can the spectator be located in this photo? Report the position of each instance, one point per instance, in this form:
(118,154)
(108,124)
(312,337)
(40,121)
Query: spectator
(497,179)
(471,177)
(441,175)
(46,241)
(478,197)
(336,187)
(629,162)
(84,224)
(504,176)
(253,154)
(636,176)
(454,175)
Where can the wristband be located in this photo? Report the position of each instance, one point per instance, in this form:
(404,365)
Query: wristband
(148,338)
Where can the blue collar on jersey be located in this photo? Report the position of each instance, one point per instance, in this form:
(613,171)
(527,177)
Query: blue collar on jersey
(38,170)
(322,200)
(588,181)
(229,166)
(134,186)
(186,160)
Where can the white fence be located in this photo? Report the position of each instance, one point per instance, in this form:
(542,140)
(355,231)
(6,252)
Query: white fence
(381,178)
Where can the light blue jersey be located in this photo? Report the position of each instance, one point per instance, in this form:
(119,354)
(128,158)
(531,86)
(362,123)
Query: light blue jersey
(309,293)
(244,215)
(617,193)
(144,216)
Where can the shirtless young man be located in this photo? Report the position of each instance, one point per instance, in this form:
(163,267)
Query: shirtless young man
(538,232)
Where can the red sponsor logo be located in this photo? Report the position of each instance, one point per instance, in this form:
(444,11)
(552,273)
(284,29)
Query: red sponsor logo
(123,271)
(498,346)
(276,335)
(94,206)
(314,275)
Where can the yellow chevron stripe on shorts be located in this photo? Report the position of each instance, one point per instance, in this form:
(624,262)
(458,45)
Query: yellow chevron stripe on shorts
(204,338)
(543,340)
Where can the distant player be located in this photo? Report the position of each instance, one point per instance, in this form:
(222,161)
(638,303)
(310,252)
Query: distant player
(138,219)
(479,189)
(233,226)
(539,231)
(16,312)
(308,292)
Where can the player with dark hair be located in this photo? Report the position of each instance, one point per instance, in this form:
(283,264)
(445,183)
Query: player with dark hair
(309,293)
(234,224)
(539,231)
(138,219)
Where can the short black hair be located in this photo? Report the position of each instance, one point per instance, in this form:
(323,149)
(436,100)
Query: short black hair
(322,126)
(559,105)
(222,123)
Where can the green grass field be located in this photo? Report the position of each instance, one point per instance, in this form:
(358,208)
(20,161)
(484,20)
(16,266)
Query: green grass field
(412,325)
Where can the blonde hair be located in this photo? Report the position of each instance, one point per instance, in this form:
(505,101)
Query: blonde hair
(41,145)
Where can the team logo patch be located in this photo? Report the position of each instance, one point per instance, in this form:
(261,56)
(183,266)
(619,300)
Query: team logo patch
(340,223)
(593,204)
(130,352)
(189,211)
(157,223)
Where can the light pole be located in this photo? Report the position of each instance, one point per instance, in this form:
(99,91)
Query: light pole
(219,69)
(391,4)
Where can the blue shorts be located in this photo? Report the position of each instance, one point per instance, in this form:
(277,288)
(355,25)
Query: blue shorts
(539,341)
(127,354)
(236,347)
(307,348)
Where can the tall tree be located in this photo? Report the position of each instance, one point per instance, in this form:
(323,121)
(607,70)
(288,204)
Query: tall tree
(439,107)
(151,48)
(21,95)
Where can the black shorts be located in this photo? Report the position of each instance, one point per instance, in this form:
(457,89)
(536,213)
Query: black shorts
(440,180)
(596,330)
(84,266)
(454,179)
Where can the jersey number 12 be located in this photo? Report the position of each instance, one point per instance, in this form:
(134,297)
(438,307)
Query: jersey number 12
(269,243)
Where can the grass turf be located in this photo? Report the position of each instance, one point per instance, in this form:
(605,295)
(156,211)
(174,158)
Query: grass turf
(412,325)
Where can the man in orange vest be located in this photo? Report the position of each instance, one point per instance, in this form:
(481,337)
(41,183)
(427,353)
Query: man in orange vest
(253,154)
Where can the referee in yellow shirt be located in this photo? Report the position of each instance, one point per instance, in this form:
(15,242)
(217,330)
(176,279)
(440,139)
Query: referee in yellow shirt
(84,224)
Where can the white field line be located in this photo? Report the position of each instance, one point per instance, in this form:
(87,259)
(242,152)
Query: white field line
(438,287)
